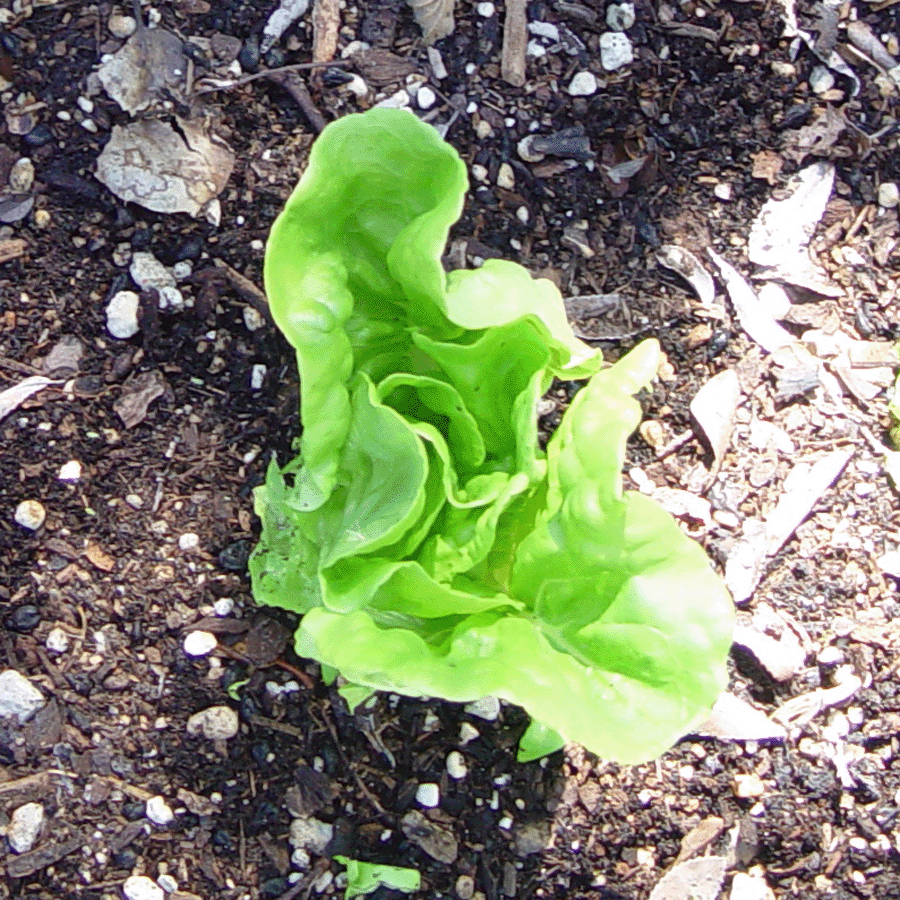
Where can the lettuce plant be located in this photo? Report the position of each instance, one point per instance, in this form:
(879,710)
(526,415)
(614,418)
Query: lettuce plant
(432,548)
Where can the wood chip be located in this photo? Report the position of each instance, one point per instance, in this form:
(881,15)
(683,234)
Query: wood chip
(515,41)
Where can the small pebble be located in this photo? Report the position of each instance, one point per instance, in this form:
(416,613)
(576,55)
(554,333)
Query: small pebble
(425,98)
(436,61)
(583,84)
(465,887)
(722,191)
(888,195)
(311,834)
(428,795)
(42,218)
(140,887)
(456,765)
(544,30)
(488,708)
(24,827)
(159,812)
(253,321)
(199,643)
(747,786)
(21,176)
(468,733)
(167,883)
(70,471)
(188,541)
(121,26)
(620,16)
(300,859)
(217,723)
(258,376)
(19,698)
(30,514)
(121,315)
(821,79)
(57,641)
(506,178)
(486,10)
(615,51)
(224,606)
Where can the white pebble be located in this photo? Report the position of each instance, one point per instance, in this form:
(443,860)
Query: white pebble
(436,61)
(140,887)
(121,315)
(722,191)
(121,26)
(488,708)
(159,812)
(620,16)
(615,50)
(425,98)
(30,514)
(217,723)
(182,269)
(456,765)
(253,321)
(19,698)
(199,643)
(468,733)
(70,471)
(310,834)
(167,883)
(188,541)
(257,376)
(821,79)
(544,30)
(224,606)
(21,176)
(24,827)
(583,84)
(57,641)
(85,104)
(888,195)
(506,178)
(486,10)
(428,794)
(398,100)
(300,859)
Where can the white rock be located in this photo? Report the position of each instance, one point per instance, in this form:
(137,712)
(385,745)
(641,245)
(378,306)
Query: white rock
(620,16)
(224,606)
(888,195)
(583,84)
(398,100)
(159,812)
(310,834)
(182,269)
(188,541)
(545,30)
(199,643)
(425,98)
(257,376)
(486,10)
(300,859)
(167,883)
(749,886)
(140,887)
(436,61)
(456,765)
(488,708)
(468,733)
(24,827)
(21,176)
(30,514)
(121,26)
(217,723)
(506,177)
(121,315)
(535,49)
(722,191)
(821,79)
(615,50)
(148,272)
(70,471)
(57,641)
(253,321)
(171,298)
(428,794)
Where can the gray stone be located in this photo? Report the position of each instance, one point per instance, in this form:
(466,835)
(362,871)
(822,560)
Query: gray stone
(218,723)
(310,834)
(24,827)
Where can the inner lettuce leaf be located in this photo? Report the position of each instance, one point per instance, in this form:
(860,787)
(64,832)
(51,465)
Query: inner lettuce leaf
(431,546)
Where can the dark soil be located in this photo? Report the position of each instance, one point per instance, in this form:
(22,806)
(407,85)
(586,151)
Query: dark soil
(109,571)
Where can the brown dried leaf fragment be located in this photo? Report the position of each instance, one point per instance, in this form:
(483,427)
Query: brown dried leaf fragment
(435,18)
(137,395)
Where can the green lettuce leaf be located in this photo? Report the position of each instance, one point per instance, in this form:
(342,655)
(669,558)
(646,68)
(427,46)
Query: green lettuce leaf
(432,547)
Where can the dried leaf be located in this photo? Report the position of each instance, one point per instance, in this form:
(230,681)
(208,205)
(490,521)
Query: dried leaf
(697,879)
(150,163)
(753,316)
(734,719)
(150,67)
(137,395)
(714,408)
(436,840)
(435,18)
(800,710)
(266,640)
(699,838)
(692,270)
(14,397)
